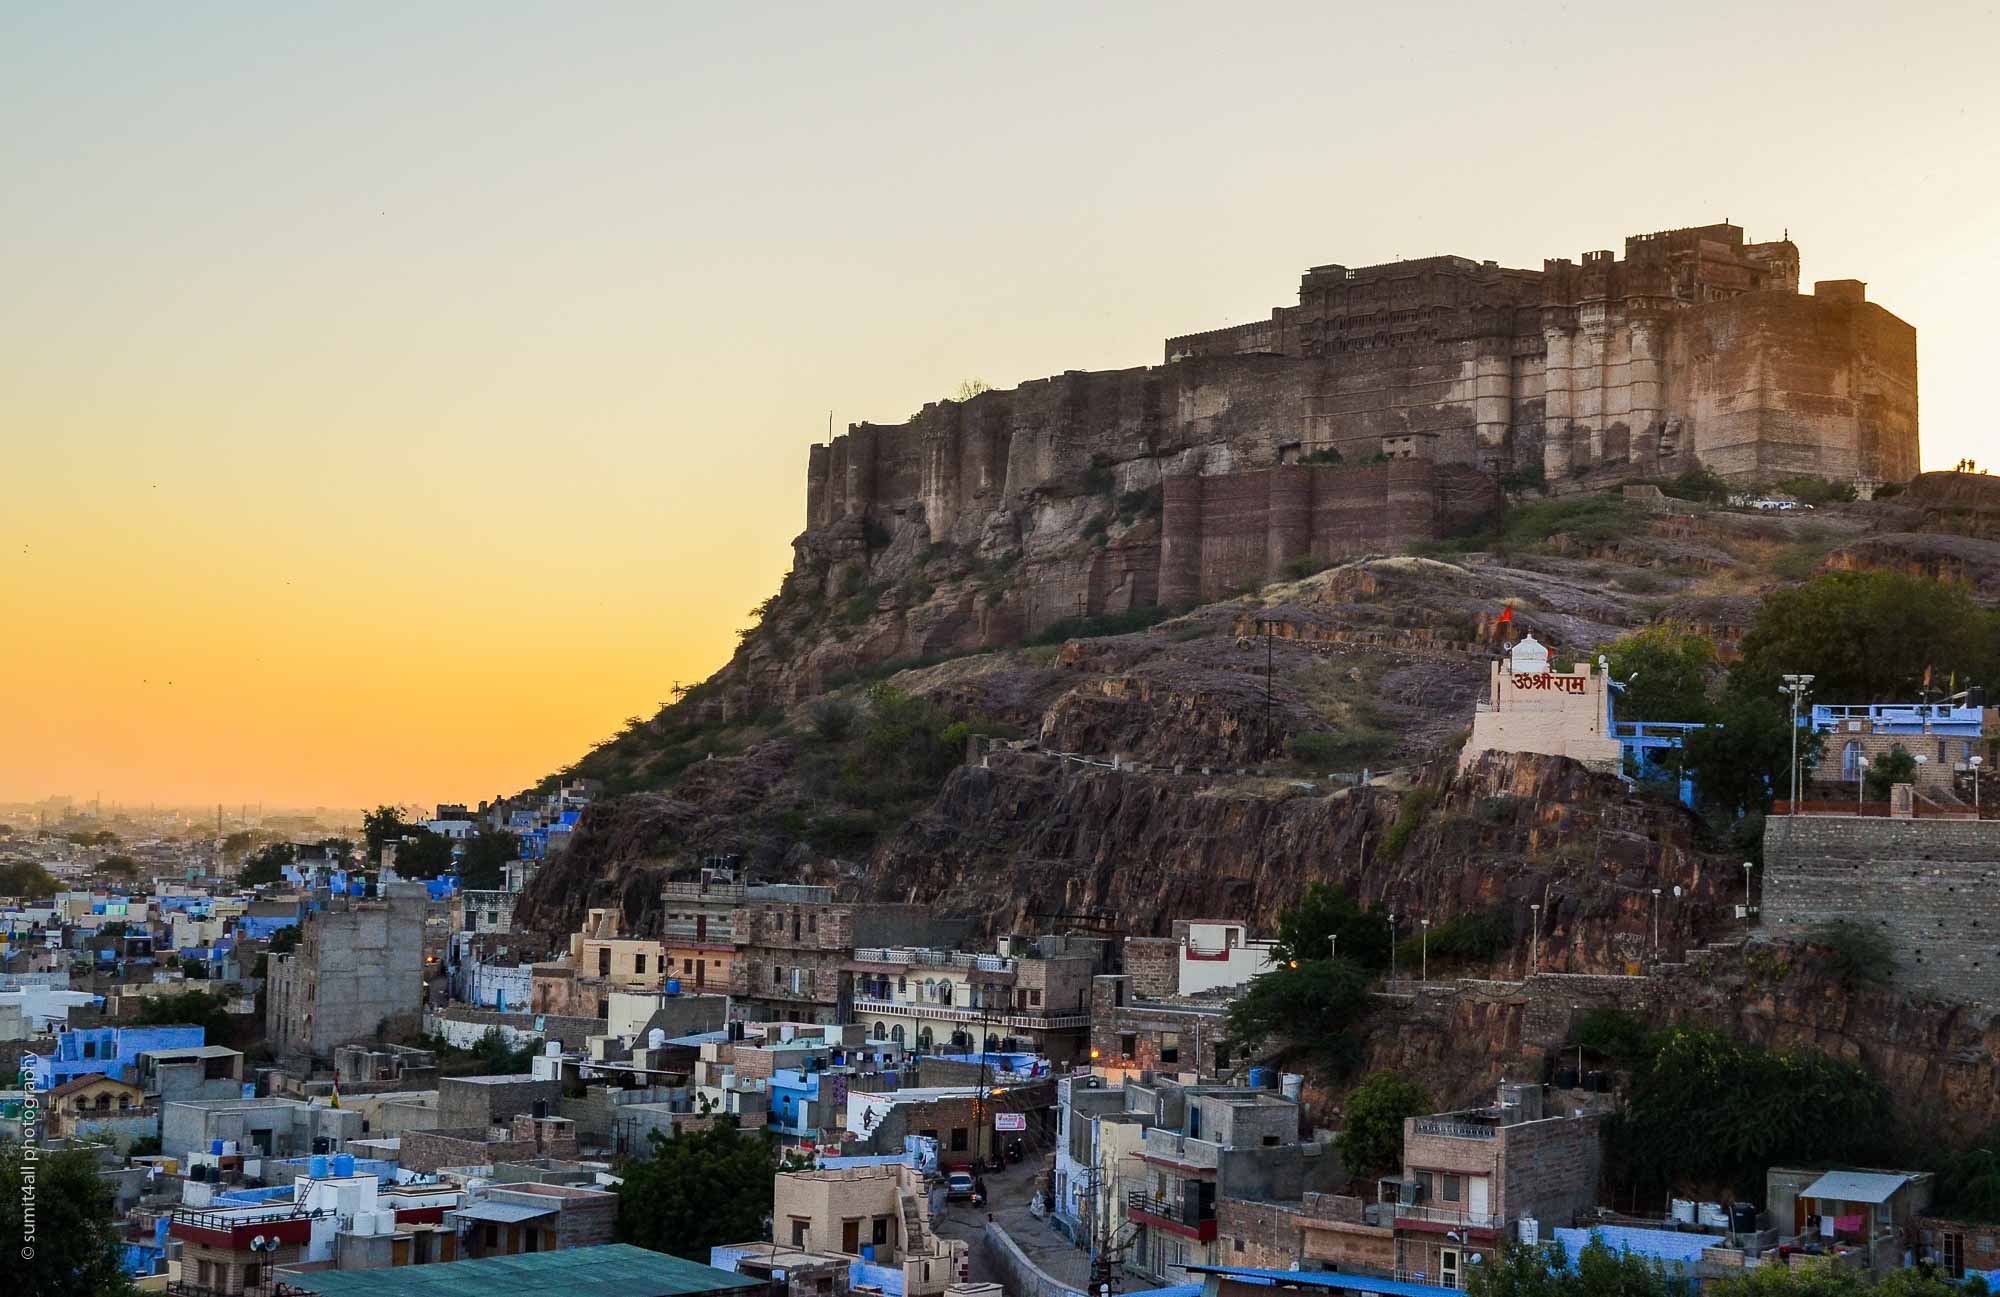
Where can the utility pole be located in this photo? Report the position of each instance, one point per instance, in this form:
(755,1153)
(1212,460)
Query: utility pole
(1797,686)
(1425,974)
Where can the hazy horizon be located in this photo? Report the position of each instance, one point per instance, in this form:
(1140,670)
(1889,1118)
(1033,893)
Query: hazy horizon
(398,401)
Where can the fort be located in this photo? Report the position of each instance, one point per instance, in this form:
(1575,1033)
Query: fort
(1392,403)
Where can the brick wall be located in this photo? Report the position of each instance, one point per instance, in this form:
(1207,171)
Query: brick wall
(1263,1234)
(1932,887)
(1153,965)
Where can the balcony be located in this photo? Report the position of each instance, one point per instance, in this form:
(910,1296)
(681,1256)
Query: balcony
(1444,1216)
(920,957)
(232,1230)
(970,1017)
(1181,1150)
(1146,1208)
(1453,1128)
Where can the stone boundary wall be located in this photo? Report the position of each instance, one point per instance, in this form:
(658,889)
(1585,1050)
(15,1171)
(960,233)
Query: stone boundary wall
(1018,1275)
(1931,887)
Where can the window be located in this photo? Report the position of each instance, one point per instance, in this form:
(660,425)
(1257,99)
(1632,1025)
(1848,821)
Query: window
(604,961)
(687,965)
(1035,998)
(777,976)
(958,1141)
(639,965)
(1128,1044)
(801,1230)
(881,1235)
(1170,1047)
(90,1049)
(812,923)
(1454,1187)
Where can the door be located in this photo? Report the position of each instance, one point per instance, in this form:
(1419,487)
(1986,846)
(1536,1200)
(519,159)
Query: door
(1448,1270)
(1475,1198)
(850,1237)
(1954,1255)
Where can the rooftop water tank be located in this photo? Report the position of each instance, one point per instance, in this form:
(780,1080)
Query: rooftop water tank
(215,1147)
(655,1038)
(673,986)
(1262,1078)
(316,1166)
(343,1164)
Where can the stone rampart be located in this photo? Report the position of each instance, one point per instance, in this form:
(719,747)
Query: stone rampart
(1931,887)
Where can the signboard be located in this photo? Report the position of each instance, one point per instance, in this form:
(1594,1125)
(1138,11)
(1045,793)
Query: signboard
(1010,1121)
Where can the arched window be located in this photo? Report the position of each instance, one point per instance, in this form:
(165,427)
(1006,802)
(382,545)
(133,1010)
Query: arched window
(924,1038)
(944,992)
(879,1033)
(896,1035)
(992,1044)
(1850,760)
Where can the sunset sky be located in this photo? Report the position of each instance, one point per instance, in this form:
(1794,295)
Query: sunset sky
(393,402)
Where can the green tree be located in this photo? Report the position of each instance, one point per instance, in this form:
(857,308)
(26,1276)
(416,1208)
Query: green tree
(1324,912)
(1867,637)
(698,1190)
(422,854)
(284,940)
(1665,671)
(1307,1012)
(1545,1272)
(266,864)
(1705,1109)
(202,1009)
(28,880)
(77,1250)
(486,857)
(383,824)
(1896,766)
(1742,759)
(1968,1183)
(1371,1122)
(122,865)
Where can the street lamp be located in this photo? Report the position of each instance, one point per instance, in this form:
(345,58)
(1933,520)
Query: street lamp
(1535,941)
(1333,945)
(1748,865)
(1424,969)
(1392,947)
(1656,924)
(1797,686)
(1975,763)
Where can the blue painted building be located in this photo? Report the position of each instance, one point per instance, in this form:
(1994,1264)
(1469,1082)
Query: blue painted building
(1653,750)
(1943,735)
(794,1102)
(113,1051)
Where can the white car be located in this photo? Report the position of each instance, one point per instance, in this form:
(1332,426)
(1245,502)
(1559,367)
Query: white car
(958,1186)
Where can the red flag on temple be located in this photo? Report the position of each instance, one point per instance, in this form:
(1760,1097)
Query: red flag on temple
(1506,615)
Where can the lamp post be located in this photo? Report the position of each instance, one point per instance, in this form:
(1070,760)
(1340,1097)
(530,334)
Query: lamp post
(1424,968)
(1333,945)
(1797,686)
(1748,865)
(1860,778)
(1975,763)
(1535,941)
(1656,925)
(1392,946)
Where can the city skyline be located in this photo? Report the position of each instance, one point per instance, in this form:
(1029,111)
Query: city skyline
(398,439)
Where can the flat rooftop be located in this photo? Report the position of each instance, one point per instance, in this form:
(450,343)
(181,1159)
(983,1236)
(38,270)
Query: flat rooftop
(610,1270)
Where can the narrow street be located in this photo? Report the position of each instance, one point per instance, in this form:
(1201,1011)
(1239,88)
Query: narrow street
(1010,1193)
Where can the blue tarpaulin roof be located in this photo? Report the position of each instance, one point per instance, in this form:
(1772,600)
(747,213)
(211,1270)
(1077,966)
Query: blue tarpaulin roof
(1670,1246)
(1324,1279)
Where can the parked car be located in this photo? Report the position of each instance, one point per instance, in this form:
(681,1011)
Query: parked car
(958,1186)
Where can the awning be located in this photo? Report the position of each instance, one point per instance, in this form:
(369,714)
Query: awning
(505,1213)
(1855,1186)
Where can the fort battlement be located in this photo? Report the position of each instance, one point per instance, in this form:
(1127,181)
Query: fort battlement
(1695,348)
